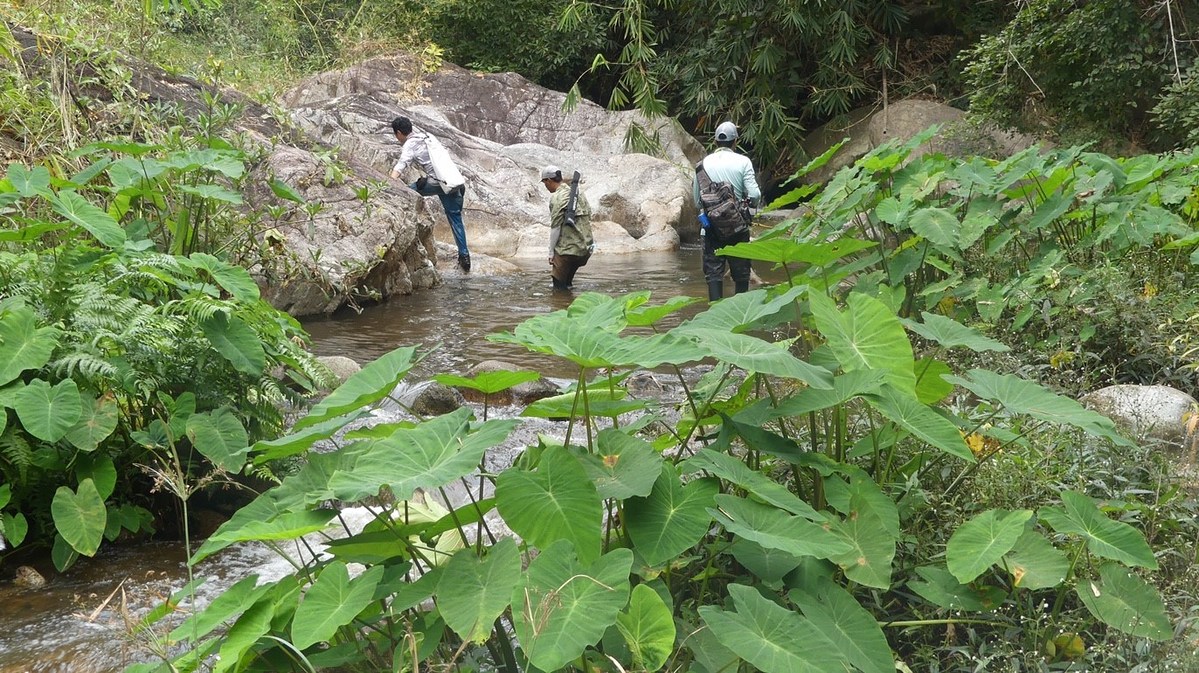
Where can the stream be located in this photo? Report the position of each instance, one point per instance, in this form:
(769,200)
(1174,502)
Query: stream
(81,621)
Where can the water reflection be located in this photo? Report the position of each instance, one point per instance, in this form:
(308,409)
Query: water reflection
(460,313)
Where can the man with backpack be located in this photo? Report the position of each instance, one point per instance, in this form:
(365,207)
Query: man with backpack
(725,188)
(441,177)
(571,243)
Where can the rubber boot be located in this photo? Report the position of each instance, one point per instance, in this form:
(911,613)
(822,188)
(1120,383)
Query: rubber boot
(715,290)
(559,285)
(740,286)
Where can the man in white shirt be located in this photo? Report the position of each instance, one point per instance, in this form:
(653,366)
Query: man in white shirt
(449,188)
(725,165)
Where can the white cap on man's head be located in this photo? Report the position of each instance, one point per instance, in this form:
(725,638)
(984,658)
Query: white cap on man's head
(551,172)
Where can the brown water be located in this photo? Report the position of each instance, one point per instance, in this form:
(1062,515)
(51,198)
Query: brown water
(457,316)
(80,623)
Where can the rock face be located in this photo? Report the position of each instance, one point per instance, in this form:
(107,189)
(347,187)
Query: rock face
(1157,412)
(500,129)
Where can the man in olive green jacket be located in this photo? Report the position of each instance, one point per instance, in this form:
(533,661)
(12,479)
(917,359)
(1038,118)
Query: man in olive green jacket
(571,244)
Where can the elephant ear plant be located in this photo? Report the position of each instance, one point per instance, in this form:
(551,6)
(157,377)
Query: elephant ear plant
(760,523)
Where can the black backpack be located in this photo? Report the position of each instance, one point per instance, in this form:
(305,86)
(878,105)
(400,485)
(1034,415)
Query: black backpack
(727,215)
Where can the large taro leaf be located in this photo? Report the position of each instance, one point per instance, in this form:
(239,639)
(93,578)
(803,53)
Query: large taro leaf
(367,386)
(982,541)
(488,383)
(300,441)
(1020,396)
(474,591)
(562,606)
(770,637)
(774,528)
(845,387)
(769,565)
(597,403)
(103,473)
(236,342)
(230,603)
(787,251)
(623,466)
(220,437)
(764,488)
(942,589)
(852,629)
(644,316)
(757,355)
(48,412)
(672,518)
(1116,540)
(80,516)
(951,333)
(98,419)
(429,455)
(1126,602)
(249,628)
(233,279)
(902,407)
(263,519)
(1035,563)
(23,345)
(555,502)
(870,527)
(332,602)
(82,212)
(648,628)
(29,182)
(867,335)
(939,226)
(741,311)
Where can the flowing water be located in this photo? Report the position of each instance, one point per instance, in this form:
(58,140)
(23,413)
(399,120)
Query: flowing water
(81,621)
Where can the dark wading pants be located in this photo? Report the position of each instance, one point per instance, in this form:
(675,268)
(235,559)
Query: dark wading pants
(714,264)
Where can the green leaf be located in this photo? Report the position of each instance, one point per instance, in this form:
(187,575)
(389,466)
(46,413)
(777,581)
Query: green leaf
(735,471)
(870,526)
(248,630)
(367,386)
(556,502)
(770,637)
(213,192)
(80,516)
(427,456)
(1116,540)
(562,606)
(231,602)
(1035,563)
(474,591)
(866,336)
(938,225)
(234,340)
(220,437)
(853,630)
(770,565)
(623,466)
(845,387)
(488,383)
(13,528)
(648,628)
(23,345)
(672,519)
(756,355)
(951,333)
(332,602)
(982,541)
(62,554)
(298,442)
(1126,602)
(97,420)
(645,316)
(902,407)
(285,191)
(48,412)
(80,211)
(775,529)
(942,589)
(29,182)
(1019,396)
(262,520)
(601,403)
(101,470)
(742,311)
(232,278)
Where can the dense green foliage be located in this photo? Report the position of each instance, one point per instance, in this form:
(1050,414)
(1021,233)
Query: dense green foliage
(845,489)
(1078,70)
(126,367)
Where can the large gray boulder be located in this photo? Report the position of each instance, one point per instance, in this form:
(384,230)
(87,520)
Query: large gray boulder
(867,128)
(1154,412)
(501,129)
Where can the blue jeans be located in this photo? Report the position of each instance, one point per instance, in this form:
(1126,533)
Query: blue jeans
(452,203)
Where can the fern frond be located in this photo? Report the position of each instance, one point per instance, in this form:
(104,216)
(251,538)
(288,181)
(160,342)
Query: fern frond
(15,453)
